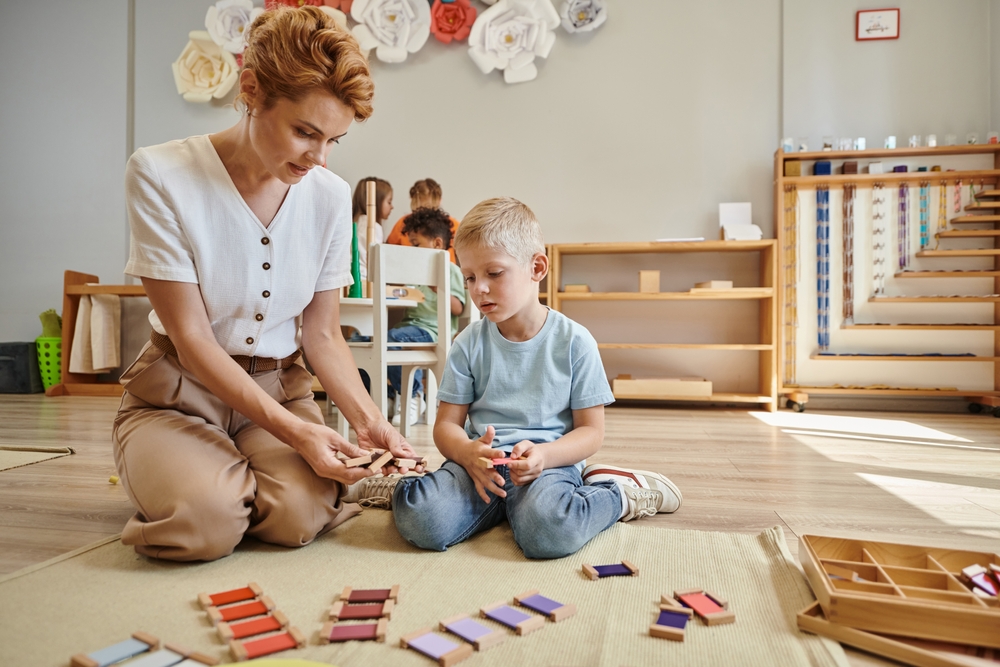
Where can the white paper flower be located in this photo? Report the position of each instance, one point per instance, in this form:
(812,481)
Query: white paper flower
(583,15)
(510,34)
(228,20)
(339,17)
(204,70)
(392,27)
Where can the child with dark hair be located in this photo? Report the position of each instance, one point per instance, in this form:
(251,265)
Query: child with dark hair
(425,193)
(426,228)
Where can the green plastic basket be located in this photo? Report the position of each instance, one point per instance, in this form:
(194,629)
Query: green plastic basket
(49,360)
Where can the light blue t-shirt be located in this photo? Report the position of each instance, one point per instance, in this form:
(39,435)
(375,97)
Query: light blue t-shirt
(528,390)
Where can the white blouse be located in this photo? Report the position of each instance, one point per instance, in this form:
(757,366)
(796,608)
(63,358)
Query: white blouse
(190,224)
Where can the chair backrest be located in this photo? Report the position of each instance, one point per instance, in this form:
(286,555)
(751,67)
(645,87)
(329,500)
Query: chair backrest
(407,265)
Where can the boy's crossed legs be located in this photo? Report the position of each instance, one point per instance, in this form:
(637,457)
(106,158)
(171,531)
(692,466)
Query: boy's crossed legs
(553,516)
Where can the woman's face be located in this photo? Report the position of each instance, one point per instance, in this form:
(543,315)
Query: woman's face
(292,137)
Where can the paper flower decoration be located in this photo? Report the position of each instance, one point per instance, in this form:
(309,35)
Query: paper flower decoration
(204,70)
(393,28)
(227,22)
(452,20)
(342,5)
(510,34)
(583,15)
(271,4)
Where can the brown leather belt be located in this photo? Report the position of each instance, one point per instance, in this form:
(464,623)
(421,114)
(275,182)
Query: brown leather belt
(250,364)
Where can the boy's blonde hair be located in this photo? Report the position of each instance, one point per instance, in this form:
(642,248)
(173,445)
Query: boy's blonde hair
(502,223)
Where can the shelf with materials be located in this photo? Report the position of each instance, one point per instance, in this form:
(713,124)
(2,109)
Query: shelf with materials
(760,296)
(981,208)
(75,285)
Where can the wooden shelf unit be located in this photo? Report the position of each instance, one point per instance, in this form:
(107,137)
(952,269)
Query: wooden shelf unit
(764,293)
(75,285)
(986,204)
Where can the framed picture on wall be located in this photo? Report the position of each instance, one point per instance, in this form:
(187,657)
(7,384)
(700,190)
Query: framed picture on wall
(877,24)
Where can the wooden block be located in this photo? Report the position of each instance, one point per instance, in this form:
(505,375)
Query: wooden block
(715,284)
(410,463)
(436,647)
(251,592)
(200,658)
(341,611)
(793,168)
(258,607)
(576,288)
(842,572)
(625,568)
(382,460)
(669,603)
(477,634)
(260,647)
(369,595)
(358,461)
(649,282)
(556,611)
(333,632)
(670,624)
(140,642)
(849,167)
(258,626)
(706,606)
(518,621)
(493,463)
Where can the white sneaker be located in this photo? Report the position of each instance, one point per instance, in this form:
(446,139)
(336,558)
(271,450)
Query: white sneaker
(373,491)
(646,493)
(418,407)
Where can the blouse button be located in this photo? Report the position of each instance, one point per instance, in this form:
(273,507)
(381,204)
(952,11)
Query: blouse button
(266,294)
(267,266)
(258,317)
(249,341)
(265,240)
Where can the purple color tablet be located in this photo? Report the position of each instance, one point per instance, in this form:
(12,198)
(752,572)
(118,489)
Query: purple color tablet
(541,604)
(468,629)
(672,619)
(507,615)
(432,645)
(618,570)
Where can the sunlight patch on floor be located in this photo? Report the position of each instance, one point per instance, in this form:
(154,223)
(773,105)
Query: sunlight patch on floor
(924,443)
(951,504)
(865,425)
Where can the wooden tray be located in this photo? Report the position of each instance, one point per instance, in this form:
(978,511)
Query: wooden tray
(917,652)
(901,589)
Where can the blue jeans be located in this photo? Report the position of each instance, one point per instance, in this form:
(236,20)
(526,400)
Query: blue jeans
(407,334)
(553,516)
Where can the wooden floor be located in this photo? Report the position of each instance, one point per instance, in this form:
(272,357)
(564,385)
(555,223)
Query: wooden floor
(922,478)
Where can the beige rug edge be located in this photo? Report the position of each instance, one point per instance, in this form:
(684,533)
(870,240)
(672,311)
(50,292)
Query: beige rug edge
(16,456)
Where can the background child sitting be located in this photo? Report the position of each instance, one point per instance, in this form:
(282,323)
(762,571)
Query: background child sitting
(426,228)
(525,382)
(425,193)
(359,207)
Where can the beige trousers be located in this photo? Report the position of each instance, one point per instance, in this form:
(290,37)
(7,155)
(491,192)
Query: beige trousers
(202,475)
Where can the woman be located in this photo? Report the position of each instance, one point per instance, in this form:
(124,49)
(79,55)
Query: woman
(239,237)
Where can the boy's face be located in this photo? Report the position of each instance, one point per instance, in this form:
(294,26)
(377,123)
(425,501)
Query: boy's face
(499,285)
(419,240)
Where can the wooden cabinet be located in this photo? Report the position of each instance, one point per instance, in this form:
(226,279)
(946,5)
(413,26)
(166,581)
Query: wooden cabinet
(896,349)
(754,291)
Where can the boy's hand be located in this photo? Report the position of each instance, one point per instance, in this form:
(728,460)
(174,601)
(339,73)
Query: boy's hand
(487,480)
(530,462)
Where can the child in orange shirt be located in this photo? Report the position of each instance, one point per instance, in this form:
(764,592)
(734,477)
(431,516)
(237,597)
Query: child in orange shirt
(425,193)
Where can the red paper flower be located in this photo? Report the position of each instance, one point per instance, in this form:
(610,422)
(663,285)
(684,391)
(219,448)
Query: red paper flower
(452,20)
(342,5)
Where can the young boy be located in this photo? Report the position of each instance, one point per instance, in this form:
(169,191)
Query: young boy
(425,193)
(528,383)
(426,228)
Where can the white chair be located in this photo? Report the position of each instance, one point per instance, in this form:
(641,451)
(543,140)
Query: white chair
(404,265)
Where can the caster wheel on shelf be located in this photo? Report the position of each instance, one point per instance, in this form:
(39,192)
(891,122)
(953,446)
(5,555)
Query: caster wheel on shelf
(996,412)
(795,405)
(975,408)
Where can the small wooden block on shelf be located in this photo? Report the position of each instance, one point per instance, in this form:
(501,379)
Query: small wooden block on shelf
(576,288)
(712,285)
(649,282)
(654,388)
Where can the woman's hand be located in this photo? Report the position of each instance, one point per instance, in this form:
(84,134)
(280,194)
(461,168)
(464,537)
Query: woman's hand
(530,462)
(487,480)
(319,445)
(380,435)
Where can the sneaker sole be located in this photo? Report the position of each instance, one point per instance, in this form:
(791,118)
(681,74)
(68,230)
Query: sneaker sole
(598,469)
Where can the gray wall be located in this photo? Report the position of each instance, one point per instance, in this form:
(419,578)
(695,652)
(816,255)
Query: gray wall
(635,132)
(935,79)
(62,151)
